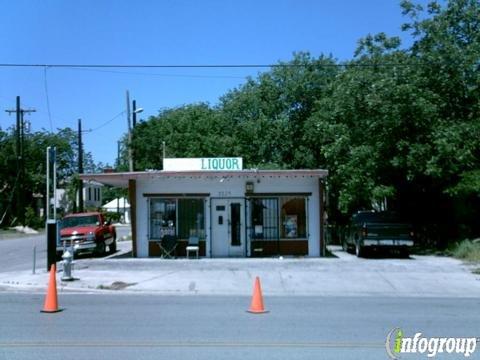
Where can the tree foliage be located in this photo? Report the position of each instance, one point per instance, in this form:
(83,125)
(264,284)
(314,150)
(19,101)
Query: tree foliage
(396,125)
(33,184)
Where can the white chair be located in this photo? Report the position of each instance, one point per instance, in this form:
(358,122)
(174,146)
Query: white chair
(193,246)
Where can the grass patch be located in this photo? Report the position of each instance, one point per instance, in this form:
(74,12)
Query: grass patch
(418,250)
(467,250)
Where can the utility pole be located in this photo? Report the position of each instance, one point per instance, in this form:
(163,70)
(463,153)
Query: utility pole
(19,135)
(20,187)
(118,153)
(163,155)
(134,113)
(134,120)
(130,156)
(80,166)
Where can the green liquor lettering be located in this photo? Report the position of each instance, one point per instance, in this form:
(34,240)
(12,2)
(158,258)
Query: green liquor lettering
(398,341)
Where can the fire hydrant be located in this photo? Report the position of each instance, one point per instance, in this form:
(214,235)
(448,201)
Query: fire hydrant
(67,266)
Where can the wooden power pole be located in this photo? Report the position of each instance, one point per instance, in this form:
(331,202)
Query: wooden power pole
(80,166)
(19,135)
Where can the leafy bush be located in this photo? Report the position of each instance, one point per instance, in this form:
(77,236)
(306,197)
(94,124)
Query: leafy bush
(467,250)
(32,220)
(113,217)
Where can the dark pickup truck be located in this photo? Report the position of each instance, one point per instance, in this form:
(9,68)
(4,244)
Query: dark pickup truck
(370,230)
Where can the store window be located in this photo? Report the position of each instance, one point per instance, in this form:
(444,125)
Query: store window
(183,217)
(162,218)
(264,218)
(191,218)
(293,218)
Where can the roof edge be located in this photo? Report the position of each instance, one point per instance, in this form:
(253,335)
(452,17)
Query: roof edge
(121,178)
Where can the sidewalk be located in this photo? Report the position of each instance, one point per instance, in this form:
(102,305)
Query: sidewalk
(346,275)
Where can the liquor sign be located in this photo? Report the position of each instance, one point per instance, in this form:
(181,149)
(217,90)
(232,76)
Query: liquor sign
(203,164)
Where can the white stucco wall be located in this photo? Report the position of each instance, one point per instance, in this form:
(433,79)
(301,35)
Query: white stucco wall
(227,187)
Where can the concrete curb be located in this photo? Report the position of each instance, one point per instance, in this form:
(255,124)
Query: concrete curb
(422,276)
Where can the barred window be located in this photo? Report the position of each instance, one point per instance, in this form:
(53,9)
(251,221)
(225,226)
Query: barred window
(264,215)
(182,217)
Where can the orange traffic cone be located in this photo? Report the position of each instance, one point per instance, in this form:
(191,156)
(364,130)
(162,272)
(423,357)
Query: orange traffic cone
(51,303)
(256,307)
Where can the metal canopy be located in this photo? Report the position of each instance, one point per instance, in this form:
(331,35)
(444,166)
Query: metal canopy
(121,179)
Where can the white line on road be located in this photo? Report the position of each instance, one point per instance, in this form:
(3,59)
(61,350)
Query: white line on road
(160,344)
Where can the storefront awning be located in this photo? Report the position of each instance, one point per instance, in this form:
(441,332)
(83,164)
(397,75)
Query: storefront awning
(121,179)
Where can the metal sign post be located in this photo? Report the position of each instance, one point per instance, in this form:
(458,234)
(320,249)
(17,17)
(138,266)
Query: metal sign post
(51,243)
(52,229)
(47,196)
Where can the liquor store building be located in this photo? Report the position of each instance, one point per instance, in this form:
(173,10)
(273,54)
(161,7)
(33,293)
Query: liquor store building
(233,213)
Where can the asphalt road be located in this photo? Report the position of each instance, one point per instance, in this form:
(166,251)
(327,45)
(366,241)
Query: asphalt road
(16,253)
(119,327)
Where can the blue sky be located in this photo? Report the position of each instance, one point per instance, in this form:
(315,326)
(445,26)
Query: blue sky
(158,32)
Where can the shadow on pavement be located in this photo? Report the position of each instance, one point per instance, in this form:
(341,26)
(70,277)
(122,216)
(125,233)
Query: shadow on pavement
(127,255)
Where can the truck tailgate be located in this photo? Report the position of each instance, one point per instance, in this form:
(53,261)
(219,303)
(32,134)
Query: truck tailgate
(387,231)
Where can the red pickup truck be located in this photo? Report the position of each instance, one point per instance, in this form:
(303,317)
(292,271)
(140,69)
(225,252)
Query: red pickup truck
(87,232)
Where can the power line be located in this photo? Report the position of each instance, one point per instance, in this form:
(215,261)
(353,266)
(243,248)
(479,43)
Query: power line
(105,123)
(212,66)
(151,66)
(161,75)
(47,98)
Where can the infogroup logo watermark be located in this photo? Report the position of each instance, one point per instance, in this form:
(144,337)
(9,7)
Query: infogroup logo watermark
(397,343)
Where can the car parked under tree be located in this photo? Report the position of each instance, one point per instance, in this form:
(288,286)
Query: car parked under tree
(373,231)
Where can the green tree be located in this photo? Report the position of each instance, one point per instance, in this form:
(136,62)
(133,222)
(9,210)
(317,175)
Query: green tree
(188,131)
(404,124)
(448,41)
(268,114)
(34,180)
(396,125)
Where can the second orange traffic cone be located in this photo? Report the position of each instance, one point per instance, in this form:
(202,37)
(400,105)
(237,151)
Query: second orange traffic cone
(51,303)
(256,307)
